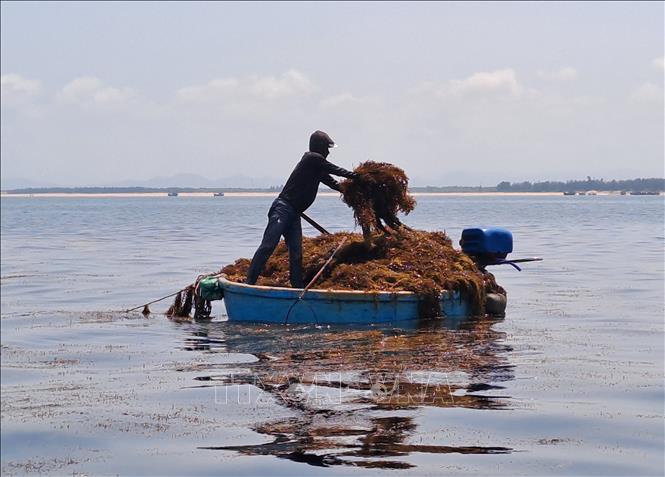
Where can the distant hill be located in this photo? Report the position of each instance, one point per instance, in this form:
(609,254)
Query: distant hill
(22,183)
(181,181)
(195,181)
(134,190)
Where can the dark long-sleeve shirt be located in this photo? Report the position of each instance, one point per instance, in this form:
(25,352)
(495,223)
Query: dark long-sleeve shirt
(303,183)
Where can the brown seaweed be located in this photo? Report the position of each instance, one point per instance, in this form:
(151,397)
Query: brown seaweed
(377,193)
(413,260)
(182,304)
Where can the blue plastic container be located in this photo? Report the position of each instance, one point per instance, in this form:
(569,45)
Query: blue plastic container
(495,241)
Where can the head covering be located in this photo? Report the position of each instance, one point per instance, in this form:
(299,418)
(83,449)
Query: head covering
(320,142)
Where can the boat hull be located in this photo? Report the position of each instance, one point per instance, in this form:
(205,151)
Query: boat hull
(261,304)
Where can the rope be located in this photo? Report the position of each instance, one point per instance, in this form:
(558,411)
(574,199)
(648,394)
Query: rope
(313,280)
(156,301)
(194,285)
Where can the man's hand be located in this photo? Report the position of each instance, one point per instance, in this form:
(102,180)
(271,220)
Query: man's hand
(357,177)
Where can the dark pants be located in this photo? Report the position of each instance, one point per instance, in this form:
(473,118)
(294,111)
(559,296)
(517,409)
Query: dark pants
(284,220)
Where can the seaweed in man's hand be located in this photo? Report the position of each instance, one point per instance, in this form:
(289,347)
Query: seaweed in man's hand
(377,194)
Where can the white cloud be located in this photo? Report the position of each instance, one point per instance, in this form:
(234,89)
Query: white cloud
(17,89)
(491,83)
(499,81)
(214,89)
(346,100)
(567,73)
(659,63)
(89,90)
(289,84)
(647,93)
(332,102)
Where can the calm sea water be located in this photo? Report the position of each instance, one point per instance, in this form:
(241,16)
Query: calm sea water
(570,382)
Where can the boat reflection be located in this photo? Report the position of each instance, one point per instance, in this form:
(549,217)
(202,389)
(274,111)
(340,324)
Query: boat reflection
(353,389)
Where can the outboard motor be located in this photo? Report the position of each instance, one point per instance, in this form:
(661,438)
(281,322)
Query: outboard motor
(490,247)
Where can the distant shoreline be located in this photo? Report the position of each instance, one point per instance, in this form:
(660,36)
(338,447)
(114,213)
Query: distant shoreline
(268,194)
(646,186)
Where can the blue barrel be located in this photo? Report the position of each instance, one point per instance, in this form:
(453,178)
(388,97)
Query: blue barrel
(493,241)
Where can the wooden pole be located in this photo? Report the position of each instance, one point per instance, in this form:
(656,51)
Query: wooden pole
(314,224)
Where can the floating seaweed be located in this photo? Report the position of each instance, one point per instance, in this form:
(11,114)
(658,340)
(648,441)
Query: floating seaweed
(182,304)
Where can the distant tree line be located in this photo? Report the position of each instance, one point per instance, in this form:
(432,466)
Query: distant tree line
(642,185)
(637,185)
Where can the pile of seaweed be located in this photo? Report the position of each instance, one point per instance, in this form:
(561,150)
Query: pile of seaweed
(388,256)
(409,260)
(377,193)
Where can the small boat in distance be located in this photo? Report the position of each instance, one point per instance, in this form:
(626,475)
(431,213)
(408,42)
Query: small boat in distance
(173,194)
(570,192)
(219,194)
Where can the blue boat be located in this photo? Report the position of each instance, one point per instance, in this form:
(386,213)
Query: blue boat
(278,305)
(263,304)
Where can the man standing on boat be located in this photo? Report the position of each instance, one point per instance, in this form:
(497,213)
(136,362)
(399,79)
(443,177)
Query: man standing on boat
(297,195)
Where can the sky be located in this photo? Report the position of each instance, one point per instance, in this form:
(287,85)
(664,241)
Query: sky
(119,93)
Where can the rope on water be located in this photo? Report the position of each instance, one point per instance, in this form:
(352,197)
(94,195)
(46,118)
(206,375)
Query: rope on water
(146,310)
(185,299)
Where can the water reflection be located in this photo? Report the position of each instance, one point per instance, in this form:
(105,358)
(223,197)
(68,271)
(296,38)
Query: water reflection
(351,389)
(200,340)
(375,441)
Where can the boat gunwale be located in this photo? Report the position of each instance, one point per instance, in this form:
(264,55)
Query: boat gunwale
(408,295)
